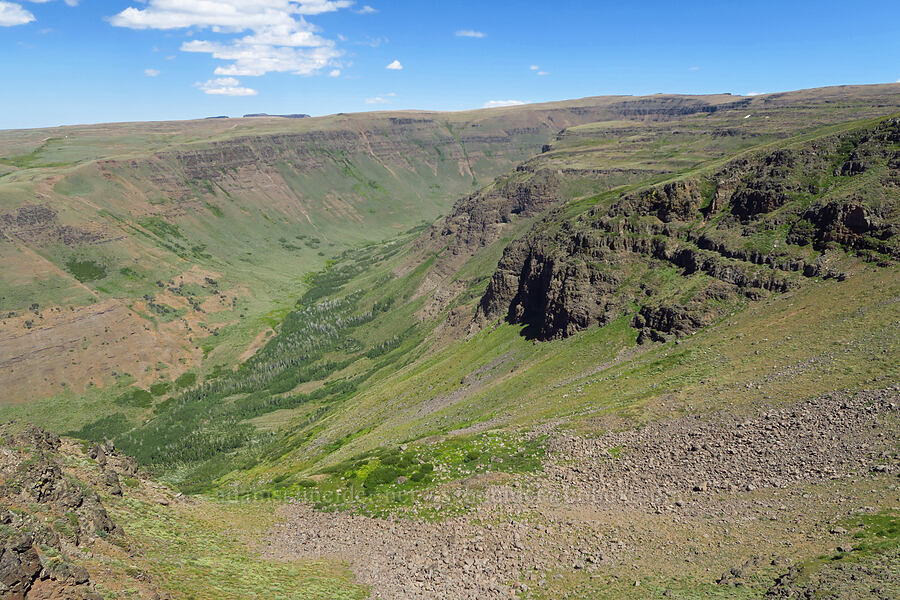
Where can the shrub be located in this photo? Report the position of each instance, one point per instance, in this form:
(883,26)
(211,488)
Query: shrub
(185,380)
(160,388)
(85,270)
(136,397)
(380,476)
(101,429)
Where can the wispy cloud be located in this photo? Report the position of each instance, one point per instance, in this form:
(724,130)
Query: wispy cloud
(385,99)
(366,10)
(367,41)
(755,93)
(12,14)
(543,72)
(499,103)
(273,35)
(395,66)
(335,73)
(534,68)
(224,86)
(470,33)
(151,72)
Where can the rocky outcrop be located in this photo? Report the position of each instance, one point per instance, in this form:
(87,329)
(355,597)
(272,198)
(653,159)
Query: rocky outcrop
(39,224)
(846,223)
(675,201)
(51,515)
(673,106)
(479,219)
(569,274)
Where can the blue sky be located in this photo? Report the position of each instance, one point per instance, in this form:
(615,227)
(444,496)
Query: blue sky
(71,61)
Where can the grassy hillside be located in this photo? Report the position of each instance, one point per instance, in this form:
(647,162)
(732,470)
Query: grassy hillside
(189,241)
(668,332)
(379,343)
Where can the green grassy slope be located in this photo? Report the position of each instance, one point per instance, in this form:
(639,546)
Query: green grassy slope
(363,363)
(122,215)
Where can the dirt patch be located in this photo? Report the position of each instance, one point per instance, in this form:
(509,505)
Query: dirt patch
(70,348)
(258,342)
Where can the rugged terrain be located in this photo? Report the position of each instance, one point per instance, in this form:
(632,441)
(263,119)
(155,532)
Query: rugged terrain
(649,351)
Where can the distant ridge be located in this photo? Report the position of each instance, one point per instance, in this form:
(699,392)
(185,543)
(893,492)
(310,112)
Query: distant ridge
(293,116)
(218,117)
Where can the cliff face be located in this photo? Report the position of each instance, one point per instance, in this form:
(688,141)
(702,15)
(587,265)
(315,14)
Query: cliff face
(449,153)
(677,255)
(479,219)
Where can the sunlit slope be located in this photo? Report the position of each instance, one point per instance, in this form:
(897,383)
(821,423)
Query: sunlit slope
(827,329)
(660,291)
(183,237)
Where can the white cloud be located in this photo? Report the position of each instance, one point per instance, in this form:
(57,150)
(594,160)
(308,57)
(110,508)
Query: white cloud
(369,41)
(335,73)
(316,7)
(543,72)
(380,99)
(395,66)
(694,69)
(499,103)
(151,72)
(471,33)
(259,59)
(366,10)
(225,86)
(534,68)
(267,35)
(13,14)
(898,81)
(755,93)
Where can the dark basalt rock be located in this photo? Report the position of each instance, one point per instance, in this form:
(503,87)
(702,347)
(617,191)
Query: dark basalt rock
(33,478)
(566,276)
(20,566)
(677,201)
(39,224)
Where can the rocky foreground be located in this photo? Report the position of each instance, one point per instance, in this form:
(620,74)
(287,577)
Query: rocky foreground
(53,516)
(717,495)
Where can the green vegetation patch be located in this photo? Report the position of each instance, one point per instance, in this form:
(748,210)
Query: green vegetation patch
(878,533)
(185,380)
(136,397)
(85,270)
(105,428)
(160,388)
(391,479)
